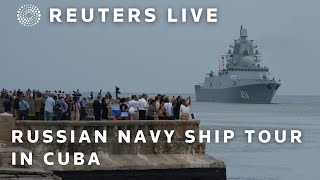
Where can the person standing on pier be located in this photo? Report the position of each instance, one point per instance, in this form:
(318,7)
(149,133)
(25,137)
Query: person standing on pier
(24,108)
(34,94)
(48,108)
(104,109)
(168,108)
(58,107)
(14,94)
(115,106)
(75,110)
(38,106)
(97,107)
(176,107)
(108,96)
(16,105)
(152,110)
(46,94)
(6,104)
(142,106)
(133,107)
(185,109)
(65,108)
(83,114)
(157,99)
(91,95)
(124,109)
(68,102)
(161,112)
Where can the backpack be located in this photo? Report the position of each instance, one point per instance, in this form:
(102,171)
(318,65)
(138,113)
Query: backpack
(16,103)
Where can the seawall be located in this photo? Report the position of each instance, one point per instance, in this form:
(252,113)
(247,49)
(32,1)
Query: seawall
(176,160)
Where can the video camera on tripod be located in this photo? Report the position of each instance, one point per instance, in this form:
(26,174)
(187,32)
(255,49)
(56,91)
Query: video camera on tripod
(76,95)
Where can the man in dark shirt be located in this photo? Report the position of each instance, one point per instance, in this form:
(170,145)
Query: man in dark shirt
(176,107)
(6,104)
(97,107)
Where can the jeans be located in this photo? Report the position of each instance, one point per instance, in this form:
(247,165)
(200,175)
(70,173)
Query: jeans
(24,114)
(48,116)
(83,115)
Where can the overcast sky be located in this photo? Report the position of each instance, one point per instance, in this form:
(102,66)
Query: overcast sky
(157,57)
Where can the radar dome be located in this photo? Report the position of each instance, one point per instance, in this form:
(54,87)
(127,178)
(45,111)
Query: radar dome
(246,61)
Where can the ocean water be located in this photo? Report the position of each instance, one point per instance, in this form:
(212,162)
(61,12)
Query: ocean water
(257,161)
(270,161)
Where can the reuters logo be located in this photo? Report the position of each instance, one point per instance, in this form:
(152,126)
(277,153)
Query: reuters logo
(28,15)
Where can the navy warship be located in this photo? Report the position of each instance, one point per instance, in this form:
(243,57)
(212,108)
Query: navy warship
(241,77)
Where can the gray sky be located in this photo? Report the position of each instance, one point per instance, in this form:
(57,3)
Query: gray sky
(157,57)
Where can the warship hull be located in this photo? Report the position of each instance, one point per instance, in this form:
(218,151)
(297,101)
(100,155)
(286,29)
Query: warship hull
(254,93)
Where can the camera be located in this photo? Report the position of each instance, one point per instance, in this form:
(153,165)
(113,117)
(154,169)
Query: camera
(76,95)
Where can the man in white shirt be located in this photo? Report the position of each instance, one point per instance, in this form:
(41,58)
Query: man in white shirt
(133,107)
(168,107)
(142,106)
(48,108)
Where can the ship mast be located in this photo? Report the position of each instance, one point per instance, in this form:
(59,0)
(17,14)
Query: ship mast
(243,33)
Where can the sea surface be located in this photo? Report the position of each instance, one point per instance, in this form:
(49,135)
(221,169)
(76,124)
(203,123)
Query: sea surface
(270,161)
(257,161)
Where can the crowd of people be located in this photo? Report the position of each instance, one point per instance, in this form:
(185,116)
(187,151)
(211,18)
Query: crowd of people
(65,106)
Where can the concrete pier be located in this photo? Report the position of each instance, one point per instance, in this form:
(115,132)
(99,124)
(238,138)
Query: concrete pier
(176,160)
(7,171)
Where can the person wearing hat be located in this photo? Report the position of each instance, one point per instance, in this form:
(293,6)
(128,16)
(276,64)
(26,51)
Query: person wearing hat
(24,108)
